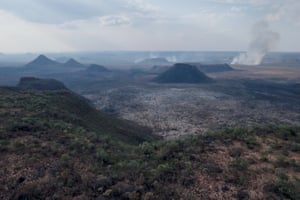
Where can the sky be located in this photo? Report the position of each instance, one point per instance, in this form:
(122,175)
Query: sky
(155,25)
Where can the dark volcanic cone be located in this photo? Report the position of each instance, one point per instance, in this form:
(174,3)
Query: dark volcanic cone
(182,73)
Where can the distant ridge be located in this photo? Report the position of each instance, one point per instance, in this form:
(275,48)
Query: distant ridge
(154,61)
(41,60)
(182,73)
(211,68)
(97,68)
(158,69)
(73,63)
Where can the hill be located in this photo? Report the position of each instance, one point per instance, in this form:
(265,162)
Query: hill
(94,68)
(45,66)
(41,61)
(182,73)
(31,83)
(72,63)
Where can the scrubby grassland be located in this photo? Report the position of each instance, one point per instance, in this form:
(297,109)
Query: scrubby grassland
(54,145)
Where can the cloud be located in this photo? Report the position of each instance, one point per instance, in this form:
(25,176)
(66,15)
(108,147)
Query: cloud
(246,2)
(56,25)
(275,9)
(235,9)
(287,11)
(115,20)
(57,11)
(53,11)
(141,6)
(18,35)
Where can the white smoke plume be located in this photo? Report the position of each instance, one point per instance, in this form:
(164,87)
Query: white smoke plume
(264,40)
(172,59)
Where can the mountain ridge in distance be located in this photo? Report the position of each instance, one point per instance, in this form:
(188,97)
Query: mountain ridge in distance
(73,63)
(41,60)
(97,68)
(154,61)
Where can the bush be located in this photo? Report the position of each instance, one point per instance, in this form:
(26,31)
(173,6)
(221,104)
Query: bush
(239,165)
(19,146)
(284,188)
(252,142)
(281,162)
(163,172)
(102,156)
(4,145)
(294,147)
(236,152)
(65,157)
(264,155)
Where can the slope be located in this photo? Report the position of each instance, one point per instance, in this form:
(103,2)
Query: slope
(32,83)
(68,107)
(54,145)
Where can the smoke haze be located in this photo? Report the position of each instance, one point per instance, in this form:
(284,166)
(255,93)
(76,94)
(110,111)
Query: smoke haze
(264,40)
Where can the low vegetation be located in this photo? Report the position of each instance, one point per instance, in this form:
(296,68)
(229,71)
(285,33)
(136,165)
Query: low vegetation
(54,145)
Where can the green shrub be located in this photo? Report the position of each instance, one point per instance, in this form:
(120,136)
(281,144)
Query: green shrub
(252,142)
(19,145)
(163,172)
(239,164)
(285,188)
(65,157)
(264,155)
(102,156)
(282,162)
(294,147)
(236,152)
(4,145)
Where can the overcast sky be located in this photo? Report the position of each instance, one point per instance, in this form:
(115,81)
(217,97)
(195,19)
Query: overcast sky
(95,25)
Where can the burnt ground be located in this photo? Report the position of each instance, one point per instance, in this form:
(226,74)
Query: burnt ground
(244,97)
(54,145)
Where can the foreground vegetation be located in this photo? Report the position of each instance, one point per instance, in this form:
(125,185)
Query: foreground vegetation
(54,145)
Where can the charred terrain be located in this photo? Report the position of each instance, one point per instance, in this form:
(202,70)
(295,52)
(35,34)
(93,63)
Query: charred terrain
(121,134)
(227,97)
(55,145)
